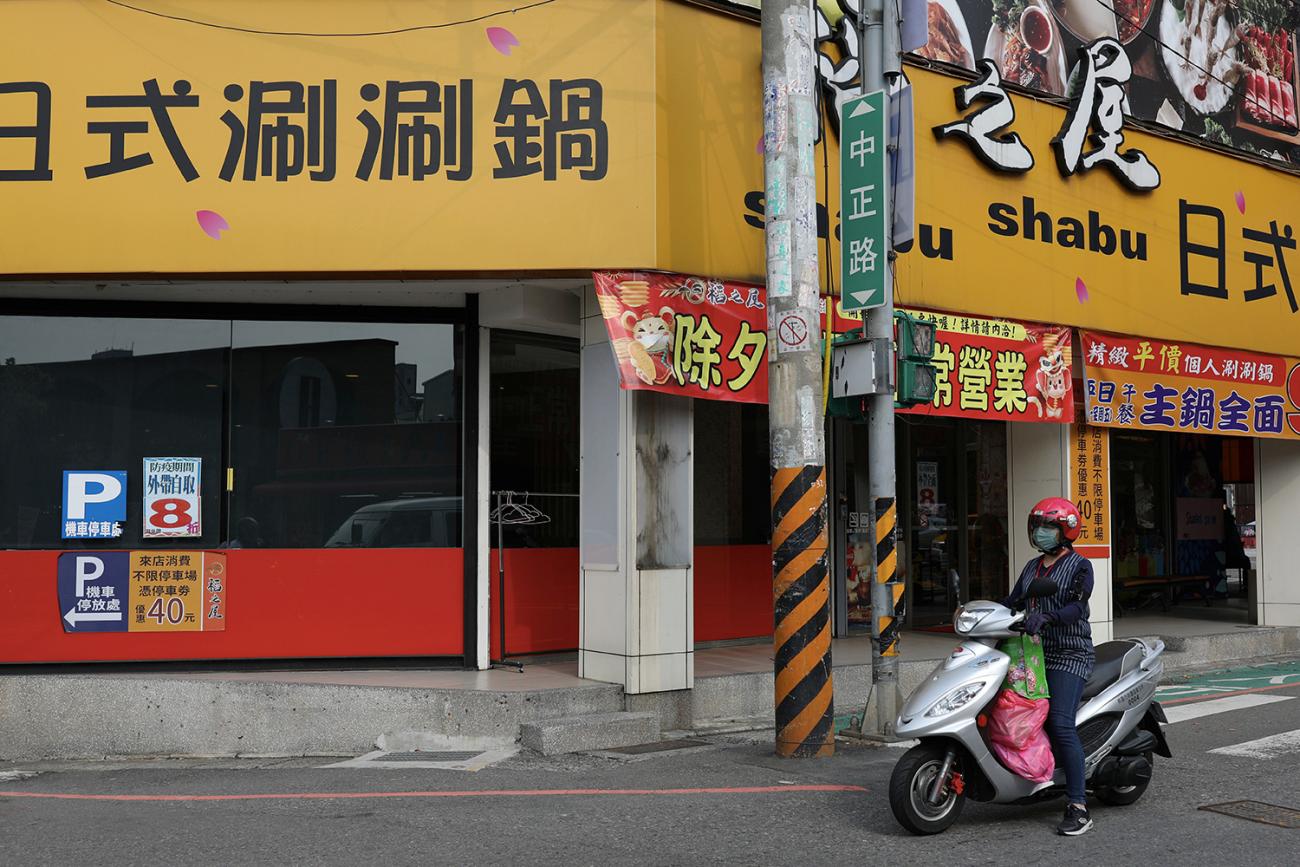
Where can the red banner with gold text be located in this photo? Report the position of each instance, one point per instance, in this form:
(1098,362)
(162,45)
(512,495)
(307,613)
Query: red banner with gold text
(684,335)
(1135,382)
(999,369)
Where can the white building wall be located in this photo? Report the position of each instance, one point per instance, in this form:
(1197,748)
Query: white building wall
(636,611)
(1277,490)
(1038,467)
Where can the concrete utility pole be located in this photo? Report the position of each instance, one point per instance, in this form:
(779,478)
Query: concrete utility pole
(878,56)
(800,580)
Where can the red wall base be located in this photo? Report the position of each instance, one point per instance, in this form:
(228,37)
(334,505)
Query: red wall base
(281,604)
(733,592)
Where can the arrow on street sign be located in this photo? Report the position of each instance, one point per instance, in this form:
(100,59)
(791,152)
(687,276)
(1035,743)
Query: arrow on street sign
(861,107)
(864,202)
(74,616)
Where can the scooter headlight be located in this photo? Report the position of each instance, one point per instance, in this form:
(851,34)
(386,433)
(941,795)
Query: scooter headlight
(955,700)
(968,618)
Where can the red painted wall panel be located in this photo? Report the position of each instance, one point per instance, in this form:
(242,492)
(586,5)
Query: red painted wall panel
(281,604)
(733,592)
(541,600)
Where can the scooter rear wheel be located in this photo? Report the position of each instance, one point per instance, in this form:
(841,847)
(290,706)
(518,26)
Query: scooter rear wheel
(909,791)
(1122,796)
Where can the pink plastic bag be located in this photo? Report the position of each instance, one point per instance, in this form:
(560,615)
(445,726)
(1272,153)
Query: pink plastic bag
(1017,736)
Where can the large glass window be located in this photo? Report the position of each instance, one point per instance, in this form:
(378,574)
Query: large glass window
(345,434)
(535,418)
(88,394)
(311,434)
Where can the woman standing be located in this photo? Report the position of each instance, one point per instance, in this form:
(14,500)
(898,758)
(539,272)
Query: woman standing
(1062,621)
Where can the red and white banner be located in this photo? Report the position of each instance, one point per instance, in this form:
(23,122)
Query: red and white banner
(689,335)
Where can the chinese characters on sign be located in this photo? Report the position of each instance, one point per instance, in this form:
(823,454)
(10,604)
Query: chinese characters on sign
(1096,117)
(687,335)
(142,591)
(172,497)
(1090,487)
(94,504)
(999,369)
(864,190)
(1203,254)
(280,130)
(1162,385)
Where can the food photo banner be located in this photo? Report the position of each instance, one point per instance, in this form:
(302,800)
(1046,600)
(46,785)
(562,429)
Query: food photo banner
(1222,70)
(999,369)
(1133,382)
(691,336)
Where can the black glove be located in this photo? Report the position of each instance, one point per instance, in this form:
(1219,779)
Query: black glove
(1035,622)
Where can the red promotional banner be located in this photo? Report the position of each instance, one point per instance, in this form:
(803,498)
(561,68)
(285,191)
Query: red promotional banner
(1134,382)
(999,369)
(687,335)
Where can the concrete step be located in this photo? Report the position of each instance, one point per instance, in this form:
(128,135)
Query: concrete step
(598,731)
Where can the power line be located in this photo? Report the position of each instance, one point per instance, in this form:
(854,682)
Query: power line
(255,31)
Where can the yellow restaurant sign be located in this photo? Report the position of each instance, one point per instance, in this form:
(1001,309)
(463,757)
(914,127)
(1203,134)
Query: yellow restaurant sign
(610,136)
(1206,257)
(133,143)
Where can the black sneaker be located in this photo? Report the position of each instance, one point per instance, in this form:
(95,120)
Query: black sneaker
(1076,821)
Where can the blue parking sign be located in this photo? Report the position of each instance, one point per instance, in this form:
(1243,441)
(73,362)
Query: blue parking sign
(94,590)
(94,503)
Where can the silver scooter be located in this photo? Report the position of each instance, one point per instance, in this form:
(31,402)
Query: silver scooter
(1119,724)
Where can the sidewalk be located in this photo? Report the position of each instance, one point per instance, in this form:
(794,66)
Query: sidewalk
(344,712)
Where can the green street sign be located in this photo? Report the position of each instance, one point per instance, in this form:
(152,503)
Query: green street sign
(864,202)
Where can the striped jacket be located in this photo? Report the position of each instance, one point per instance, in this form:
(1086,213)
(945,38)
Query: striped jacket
(1067,639)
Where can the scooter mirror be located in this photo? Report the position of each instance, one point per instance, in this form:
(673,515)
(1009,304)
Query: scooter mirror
(1041,587)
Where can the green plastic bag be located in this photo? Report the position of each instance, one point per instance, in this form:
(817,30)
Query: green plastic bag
(1028,672)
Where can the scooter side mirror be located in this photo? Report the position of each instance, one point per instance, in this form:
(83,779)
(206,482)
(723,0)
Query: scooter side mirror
(1041,587)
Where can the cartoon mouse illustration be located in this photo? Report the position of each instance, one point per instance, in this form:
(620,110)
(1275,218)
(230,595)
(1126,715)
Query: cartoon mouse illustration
(651,350)
(1052,381)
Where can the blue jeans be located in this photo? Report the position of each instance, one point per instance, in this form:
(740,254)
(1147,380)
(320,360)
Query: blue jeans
(1066,690)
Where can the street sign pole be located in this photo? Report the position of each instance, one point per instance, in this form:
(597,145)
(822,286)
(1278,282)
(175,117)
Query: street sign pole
(878,54)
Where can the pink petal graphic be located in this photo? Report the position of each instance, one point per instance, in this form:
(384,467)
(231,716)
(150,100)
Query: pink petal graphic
(502,39)
(1080,290)
(212,223)
(761,147)
(1241,201)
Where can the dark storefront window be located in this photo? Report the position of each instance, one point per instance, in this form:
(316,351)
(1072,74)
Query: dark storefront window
(535,418)
(345,435)
(732,488)
(86,394)
(336,434)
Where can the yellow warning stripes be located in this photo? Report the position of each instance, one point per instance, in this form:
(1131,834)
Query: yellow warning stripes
(801,597)
(887,622)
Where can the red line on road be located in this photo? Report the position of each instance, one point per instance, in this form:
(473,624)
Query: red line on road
(488,793)
(1226,694)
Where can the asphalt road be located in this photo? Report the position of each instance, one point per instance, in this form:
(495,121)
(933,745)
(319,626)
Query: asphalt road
(569,810)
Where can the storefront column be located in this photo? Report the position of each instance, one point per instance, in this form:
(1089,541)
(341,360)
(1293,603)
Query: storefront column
(1277,474)
(636,625)
(1038,467)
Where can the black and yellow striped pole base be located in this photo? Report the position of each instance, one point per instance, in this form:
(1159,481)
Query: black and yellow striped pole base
(801,590)
(891,613)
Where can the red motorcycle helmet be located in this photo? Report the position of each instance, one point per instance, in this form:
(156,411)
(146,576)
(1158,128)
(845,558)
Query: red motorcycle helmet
(1056,512)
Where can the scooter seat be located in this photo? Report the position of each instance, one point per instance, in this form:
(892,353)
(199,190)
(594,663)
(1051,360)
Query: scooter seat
(1114,660)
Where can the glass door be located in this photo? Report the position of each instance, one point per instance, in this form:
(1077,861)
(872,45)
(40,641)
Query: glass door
(935,530)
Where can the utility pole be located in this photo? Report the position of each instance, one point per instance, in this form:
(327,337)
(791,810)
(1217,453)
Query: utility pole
(878,56)
(800,579)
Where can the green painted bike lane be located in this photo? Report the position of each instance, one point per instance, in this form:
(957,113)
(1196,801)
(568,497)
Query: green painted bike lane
(1214,684)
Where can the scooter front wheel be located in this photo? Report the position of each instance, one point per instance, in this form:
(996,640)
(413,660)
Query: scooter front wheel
(911,788)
